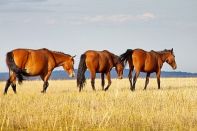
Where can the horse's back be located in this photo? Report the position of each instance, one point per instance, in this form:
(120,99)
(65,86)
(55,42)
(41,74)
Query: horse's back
(97,55)
(21,55)
(34,61)
(98,60)
(145,61)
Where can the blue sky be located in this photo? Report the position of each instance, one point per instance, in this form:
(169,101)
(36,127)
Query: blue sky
(74,26)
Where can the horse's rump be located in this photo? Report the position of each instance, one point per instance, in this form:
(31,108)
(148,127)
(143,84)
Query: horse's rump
(99,61)
(14,68)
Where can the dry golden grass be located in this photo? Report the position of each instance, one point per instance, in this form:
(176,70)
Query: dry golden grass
(174,107)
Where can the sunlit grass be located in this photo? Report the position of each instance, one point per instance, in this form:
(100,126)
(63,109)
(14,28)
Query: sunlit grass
(174,107)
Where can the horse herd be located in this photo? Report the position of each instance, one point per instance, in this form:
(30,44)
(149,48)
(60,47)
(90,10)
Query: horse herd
(41,62)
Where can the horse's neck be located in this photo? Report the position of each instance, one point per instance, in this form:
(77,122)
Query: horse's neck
(115,60)
(164,56)
(59,58)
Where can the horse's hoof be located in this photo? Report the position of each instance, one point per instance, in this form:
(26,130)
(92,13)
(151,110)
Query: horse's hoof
(4,93)
(43,91)
(132,89)
(106,89)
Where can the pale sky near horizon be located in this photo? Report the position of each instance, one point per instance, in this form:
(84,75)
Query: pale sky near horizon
(74,26)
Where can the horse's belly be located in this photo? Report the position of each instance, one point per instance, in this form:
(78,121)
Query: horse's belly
(36,64)
(149,69)
(33,71)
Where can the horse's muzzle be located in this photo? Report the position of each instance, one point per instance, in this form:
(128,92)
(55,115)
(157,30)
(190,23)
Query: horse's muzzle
(174,67)
(120,77)
(72,75)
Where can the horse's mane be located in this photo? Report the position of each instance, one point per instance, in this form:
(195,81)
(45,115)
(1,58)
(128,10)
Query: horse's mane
(161,52)
(58,52)
(112,54)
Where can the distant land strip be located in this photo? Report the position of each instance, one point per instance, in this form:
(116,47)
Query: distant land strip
(61,75)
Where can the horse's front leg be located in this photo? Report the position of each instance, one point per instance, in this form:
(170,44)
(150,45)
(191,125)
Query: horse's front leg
(103,81)
(158,79)
(45,78)
(109,81)
(45,85)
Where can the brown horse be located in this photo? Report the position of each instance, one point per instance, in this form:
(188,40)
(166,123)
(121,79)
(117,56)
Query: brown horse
(28,62)
(149,62)
(98,62)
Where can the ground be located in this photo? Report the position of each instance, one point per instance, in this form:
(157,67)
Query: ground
(173,107)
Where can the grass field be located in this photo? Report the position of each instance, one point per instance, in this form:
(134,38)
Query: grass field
(174,107)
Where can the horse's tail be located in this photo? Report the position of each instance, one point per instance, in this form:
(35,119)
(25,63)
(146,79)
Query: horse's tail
(126,56)
(81,72)
(13,67)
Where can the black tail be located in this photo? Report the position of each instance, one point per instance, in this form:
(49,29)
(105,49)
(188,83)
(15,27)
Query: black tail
(13,67)
(81,72)
(126,56)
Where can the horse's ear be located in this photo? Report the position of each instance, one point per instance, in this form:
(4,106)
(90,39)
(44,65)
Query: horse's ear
(172,50)
(74,56)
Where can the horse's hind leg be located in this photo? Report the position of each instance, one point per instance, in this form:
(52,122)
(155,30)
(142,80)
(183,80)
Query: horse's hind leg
(8,83)
(14,83)
(11,81)
(130,77)
(14,87)
(109,81)
(135,80)
(147,80)
(102,80)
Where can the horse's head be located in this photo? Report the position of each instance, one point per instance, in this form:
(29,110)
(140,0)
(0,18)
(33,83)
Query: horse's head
(69,66)
(171,59)
(119,66)
(119,69)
